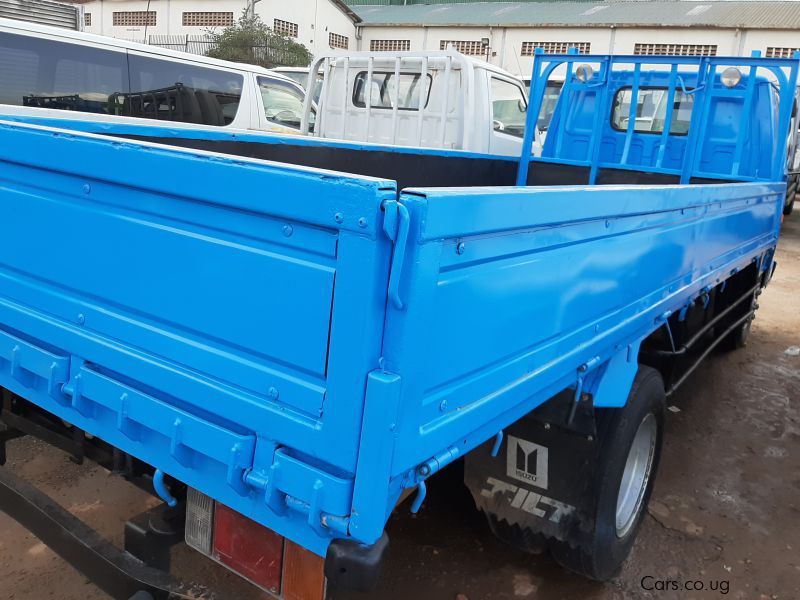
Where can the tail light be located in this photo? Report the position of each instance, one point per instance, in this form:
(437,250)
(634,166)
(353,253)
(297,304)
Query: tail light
(236,542)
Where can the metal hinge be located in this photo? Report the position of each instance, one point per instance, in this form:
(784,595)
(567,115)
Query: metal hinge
(396,223)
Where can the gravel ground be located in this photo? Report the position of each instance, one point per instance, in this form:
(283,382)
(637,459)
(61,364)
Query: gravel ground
(725,512)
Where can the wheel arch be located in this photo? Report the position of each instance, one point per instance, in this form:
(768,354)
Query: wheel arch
(611,384)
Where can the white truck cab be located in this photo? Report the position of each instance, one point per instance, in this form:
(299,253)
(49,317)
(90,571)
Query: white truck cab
(432,100)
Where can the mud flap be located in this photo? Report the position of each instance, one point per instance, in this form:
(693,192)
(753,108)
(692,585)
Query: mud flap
(543,481)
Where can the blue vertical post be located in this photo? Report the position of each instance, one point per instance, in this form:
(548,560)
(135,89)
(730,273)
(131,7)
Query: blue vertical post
(702,94)
(601,110)
(744,122)
(670,108)
(566,103)
(532,118)
(637,70)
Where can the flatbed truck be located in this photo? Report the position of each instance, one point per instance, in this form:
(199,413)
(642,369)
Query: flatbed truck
(282,338)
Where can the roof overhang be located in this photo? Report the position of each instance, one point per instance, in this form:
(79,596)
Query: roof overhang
(347,10)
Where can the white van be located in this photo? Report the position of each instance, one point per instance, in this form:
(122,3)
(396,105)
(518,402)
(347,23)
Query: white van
(83,76)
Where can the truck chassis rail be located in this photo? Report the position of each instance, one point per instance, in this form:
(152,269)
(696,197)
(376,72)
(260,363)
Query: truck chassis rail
(114,571)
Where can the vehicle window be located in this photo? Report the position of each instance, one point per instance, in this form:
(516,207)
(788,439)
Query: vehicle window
(651,110)
(383,87)
(283,103)
(296,76)
(551,93)
(47,74)
(301,77)
(509,107)
(175,91)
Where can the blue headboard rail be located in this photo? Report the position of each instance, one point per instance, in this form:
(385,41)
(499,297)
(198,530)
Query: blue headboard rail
(704,73)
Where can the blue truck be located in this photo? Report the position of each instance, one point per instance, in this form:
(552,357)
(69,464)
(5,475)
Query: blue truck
(285,337)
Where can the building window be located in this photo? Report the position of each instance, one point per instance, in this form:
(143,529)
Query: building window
(468,47)
(286,28)
(675,49)
(338,41)
(207,19)
(134,18)
(779,52)
(528,48)
(390,45)
(87,19)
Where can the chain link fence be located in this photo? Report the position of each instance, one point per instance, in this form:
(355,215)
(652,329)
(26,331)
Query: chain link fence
(193,44)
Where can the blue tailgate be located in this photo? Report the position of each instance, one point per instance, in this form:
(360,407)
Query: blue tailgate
(215,317)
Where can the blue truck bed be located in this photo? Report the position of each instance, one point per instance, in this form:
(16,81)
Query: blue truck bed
(222,335)
(303,344)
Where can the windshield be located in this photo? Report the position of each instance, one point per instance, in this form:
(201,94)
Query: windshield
(509,108)
(549,101)
(283,103)
(651,110)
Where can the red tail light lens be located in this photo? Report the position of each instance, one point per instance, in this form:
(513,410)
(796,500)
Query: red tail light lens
(249,549)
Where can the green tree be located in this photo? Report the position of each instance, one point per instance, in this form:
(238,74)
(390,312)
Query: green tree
(249,40)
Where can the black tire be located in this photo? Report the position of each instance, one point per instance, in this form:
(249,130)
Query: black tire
(791,194)
(601,557)
(737,338)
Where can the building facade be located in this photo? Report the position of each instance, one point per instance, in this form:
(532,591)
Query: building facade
(508,33)
(318,24)
(504,33)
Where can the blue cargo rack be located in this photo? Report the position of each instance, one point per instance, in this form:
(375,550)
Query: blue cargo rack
(698,76)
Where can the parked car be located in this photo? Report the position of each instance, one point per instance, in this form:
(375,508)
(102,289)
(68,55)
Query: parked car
(286,336)
(45,69)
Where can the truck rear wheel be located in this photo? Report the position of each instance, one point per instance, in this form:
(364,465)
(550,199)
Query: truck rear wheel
(737,338)
(791,194)
(630,447)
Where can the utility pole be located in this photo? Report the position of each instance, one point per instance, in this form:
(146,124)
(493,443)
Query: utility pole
(251,8)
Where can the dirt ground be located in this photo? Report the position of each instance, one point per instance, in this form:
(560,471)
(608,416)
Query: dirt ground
(725,512)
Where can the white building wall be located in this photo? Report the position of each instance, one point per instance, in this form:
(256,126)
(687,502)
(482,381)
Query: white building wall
(315,18)
(512,60)
(761,39)
(506,42)
(415,35)
(725,39)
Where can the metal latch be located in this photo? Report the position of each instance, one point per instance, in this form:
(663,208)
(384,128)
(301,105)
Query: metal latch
(396,223)
(291,484)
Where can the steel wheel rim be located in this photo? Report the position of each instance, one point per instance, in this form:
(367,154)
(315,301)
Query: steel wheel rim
(636,475)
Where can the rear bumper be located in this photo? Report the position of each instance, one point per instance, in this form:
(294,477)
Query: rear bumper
(144,564)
